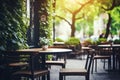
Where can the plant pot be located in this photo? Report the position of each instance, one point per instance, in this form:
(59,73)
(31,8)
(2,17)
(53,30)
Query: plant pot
(44,47)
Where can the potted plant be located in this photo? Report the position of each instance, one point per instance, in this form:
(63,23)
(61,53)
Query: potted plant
(44,42)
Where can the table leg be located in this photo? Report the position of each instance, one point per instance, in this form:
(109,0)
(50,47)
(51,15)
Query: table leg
(113,58)
(43,62)
(43,65)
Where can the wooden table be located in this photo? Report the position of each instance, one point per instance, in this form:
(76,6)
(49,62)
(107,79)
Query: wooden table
(113,46)
(34,52)
(43,53)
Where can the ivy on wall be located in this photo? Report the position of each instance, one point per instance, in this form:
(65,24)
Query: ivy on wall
(46,19)
(13,24)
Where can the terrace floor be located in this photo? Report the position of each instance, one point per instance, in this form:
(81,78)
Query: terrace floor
(101,73)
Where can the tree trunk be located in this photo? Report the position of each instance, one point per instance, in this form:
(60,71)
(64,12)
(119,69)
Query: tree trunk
(108,26)
(36,22)
(73,26)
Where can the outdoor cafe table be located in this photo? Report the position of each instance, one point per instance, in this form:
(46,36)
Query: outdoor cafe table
(43,53)
(113,46)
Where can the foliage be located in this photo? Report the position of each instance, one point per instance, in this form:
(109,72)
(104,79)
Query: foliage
(71,14)
(115,13)
(87,42)
(13,25)
(102,41)
(49,57)
(46,26)
(117,41)
(59,40)
(72,41)
(44,41)
(87,17)
(108,6)
(94,42)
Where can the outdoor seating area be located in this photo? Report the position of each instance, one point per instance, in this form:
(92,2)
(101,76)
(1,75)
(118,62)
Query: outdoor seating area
(60,40)
(22,63)
(101,74)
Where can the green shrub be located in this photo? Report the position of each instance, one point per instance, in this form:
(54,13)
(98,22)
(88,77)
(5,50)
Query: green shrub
(59,40)
(87,42)
(117,41)
(72,41)
(101,40)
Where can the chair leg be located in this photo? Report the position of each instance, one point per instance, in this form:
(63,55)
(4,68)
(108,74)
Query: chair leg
(92,66)
(43,77)
(60,77)
(32,78)
(48,76)
(119,65)
(116,63)
(104,64)
(39,78)
(63,66)
(109,64)
(87,77)
(95,65)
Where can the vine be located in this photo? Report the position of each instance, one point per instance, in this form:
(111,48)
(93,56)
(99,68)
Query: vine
(13,25)
(46,22)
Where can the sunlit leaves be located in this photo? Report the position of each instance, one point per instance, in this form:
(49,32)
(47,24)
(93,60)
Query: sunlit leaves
(115,13)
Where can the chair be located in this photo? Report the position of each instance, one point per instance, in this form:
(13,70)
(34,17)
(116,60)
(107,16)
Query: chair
(102,54)
(78,72)
(77,51)
(117,51)
(61,62)
(2,66)
(13,62)
(30,71)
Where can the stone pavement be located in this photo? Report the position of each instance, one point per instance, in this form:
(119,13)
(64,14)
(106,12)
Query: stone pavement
(101,74)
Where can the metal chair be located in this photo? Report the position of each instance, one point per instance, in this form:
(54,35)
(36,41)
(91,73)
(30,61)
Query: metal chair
(29,72)
(61,62)
(102,54)
(78,72)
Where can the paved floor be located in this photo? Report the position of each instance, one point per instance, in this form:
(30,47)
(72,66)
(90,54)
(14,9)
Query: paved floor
(101,73)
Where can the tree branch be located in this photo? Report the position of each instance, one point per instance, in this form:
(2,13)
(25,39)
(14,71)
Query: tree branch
(82,5)
(68,10)
(64,19)
(79,17)
(113,5)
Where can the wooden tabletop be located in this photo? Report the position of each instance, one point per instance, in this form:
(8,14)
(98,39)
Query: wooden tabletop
(109,45)
(48,51)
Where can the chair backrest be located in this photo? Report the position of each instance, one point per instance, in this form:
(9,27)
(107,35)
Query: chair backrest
(105,51)
(1,58)
(20,57)
(15,61)
(15,57)
(89,61)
